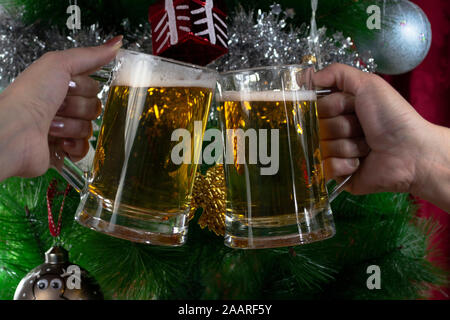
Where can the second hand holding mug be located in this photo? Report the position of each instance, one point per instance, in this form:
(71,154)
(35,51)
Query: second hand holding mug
(134,190)
(276,193)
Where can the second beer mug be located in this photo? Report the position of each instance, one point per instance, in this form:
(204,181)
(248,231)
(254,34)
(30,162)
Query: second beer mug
(276,194)
(134,190)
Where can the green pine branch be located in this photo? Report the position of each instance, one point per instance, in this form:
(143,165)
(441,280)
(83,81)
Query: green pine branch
(377,229)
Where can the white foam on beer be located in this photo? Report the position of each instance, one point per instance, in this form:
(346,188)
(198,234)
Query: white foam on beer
(296,95)
(148,71)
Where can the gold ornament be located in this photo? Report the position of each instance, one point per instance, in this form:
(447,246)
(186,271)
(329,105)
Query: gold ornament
(309,59)
(209,193)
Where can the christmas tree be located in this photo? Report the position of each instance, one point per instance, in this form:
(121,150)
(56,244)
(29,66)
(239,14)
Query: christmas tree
(374,230)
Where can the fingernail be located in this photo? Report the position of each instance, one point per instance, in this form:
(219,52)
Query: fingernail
(69,143)
(56,126)
(353,162)
(115,42)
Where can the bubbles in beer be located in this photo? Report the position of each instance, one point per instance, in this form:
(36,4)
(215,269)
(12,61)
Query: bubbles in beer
(134,146)
(298,185)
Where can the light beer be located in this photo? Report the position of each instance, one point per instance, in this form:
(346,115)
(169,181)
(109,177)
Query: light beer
(138,123)
(133,190)
(133,177)
(297,191)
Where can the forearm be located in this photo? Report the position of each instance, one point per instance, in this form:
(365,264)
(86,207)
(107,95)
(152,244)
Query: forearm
(11,134)
(433,168)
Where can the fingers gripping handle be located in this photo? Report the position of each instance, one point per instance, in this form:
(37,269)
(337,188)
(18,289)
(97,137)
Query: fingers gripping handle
(340,187)
(59,159)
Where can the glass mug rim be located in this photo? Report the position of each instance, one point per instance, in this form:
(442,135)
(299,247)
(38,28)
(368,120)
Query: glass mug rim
(164,59)
(302,66)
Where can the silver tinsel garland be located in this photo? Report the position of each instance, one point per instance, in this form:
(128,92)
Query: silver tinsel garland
(261,39)
(20,45)
(267,38)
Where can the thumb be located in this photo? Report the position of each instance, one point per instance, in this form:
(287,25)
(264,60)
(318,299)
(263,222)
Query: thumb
(344,77)
(82,60)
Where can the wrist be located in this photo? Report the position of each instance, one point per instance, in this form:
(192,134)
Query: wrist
(432,169)
(12,137)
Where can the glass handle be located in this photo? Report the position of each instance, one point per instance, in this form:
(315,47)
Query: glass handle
(338,189)
(324,92)
(74,175)
(59,159)
(69,170)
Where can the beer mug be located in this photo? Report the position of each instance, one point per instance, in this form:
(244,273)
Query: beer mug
(133,189)
(276,191)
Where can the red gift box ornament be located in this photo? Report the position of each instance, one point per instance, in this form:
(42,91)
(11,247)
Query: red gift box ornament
(189,30)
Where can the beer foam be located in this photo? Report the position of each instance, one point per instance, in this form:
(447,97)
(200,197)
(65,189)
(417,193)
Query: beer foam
(298,95)
(139,70)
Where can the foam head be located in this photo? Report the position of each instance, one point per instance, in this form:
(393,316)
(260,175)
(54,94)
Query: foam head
(144,70)
(296,95)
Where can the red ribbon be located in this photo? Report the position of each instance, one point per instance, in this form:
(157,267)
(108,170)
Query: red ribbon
(52,192)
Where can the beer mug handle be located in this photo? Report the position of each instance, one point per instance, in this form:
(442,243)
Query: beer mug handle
(338,189)
(76,176)
(69,170)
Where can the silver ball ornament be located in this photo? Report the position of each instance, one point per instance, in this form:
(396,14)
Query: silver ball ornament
(403,41)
